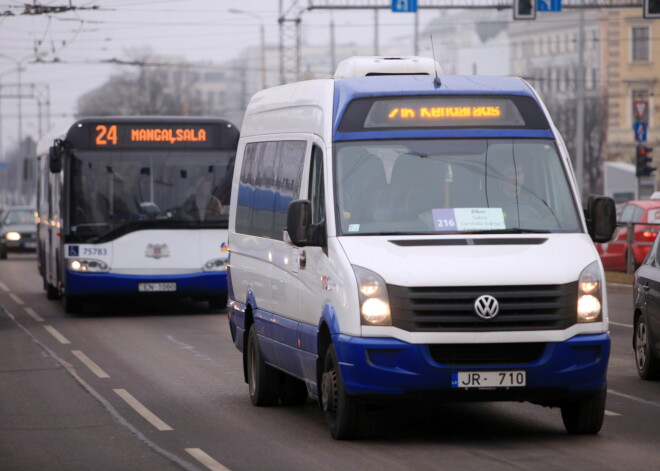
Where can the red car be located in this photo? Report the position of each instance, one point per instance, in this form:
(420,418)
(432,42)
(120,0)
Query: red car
(646,213)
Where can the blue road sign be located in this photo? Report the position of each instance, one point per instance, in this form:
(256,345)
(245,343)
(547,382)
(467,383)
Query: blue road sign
(548,5)
(640,131)
(404,6)
(3,165)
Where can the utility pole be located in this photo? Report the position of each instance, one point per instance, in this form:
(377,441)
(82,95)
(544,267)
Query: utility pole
(579,132)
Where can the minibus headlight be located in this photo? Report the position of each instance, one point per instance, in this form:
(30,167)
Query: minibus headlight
(219,264)
(87,266)
(374,300)
(13,236)
(589,306)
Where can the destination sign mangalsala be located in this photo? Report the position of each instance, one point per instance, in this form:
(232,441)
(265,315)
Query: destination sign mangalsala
(128,135)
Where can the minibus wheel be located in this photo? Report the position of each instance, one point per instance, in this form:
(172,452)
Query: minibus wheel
(344,414)
(263,380)
(585,416)
(51,291)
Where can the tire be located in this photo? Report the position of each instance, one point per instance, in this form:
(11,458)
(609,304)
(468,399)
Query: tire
(218,302)
(293,392)
(648,366)
(3,253)
(51,292)
(585,416)
(344,414)
(263,379)
(73,305)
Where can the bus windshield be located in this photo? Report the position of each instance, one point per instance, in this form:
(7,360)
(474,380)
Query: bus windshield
(449,186)
(123,191)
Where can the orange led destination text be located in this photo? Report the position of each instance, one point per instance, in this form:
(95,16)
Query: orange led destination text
(446,112)
(168,135)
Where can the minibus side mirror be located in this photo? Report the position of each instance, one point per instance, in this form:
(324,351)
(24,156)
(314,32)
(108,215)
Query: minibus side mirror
(55,157)
(601,218)
(299,225)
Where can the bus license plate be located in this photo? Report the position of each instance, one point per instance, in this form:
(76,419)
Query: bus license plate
(153,287)
(489,379)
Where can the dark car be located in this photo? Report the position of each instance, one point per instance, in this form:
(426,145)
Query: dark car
(646,294)
(646,215)
(17,230)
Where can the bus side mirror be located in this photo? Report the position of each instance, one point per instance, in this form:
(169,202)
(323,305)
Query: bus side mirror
(601,218)
(299,227)
(55,158)
(298,222)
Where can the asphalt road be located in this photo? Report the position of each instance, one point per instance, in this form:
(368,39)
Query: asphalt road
(159,385)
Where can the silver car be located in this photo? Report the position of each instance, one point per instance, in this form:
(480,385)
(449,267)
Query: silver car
(17,230)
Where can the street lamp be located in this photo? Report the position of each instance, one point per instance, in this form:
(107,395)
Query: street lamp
(263,41)
(19,69)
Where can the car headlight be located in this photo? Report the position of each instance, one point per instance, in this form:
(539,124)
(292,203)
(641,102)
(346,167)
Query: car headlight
(589,305)
(219,264)
(14,236)
(374,300)
(87,265)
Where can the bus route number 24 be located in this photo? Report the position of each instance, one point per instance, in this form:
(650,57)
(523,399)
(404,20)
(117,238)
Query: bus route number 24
(106,135)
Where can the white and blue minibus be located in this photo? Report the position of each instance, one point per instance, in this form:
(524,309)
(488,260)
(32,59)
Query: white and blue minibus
(136,206)
(409,236)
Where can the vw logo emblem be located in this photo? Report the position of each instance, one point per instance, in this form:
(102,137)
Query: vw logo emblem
(486,306)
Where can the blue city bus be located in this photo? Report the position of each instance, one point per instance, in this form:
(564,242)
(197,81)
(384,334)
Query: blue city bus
(136,206)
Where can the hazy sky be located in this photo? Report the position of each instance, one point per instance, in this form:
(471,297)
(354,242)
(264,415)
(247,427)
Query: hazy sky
(73,46)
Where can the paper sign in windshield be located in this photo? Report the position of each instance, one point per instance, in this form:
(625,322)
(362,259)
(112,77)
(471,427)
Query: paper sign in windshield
(468,219)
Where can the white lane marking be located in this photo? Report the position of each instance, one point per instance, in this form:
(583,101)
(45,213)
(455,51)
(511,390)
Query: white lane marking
(96,369)
(4,287)
(612,414)
(16,299)
(634,398)
(103,401)
(206,460)
(622,325)
(142,410)
(33,314)
(53,331)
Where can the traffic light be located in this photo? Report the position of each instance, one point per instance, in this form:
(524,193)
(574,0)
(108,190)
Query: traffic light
(651,8)
(525,9)
(642,161)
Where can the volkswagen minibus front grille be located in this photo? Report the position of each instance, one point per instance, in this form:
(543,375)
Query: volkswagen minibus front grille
(451,309)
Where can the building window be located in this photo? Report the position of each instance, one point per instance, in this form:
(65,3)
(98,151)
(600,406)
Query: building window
(640,43)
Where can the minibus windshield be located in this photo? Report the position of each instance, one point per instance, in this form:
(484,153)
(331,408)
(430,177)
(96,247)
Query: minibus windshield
(449,186)
(112,193)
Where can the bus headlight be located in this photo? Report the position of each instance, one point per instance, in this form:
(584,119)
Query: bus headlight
(219,264)
(589,306)
(87,266)
(14,236)
(374,300)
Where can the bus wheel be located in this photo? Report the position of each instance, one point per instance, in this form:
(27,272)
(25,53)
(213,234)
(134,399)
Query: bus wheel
(73,305)
(344,414)
(51,292)
(585,416)
(218,302)
(263,379)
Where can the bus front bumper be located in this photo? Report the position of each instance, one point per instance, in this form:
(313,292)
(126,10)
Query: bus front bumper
(378,367)
(203,284)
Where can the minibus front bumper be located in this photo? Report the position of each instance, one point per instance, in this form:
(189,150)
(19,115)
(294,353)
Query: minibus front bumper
(192,284)
(378,367)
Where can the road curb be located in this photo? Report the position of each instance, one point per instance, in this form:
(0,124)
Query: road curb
(619,288)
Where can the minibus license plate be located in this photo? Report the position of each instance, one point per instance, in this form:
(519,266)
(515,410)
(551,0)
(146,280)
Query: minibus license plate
(152,287)
(489,379)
